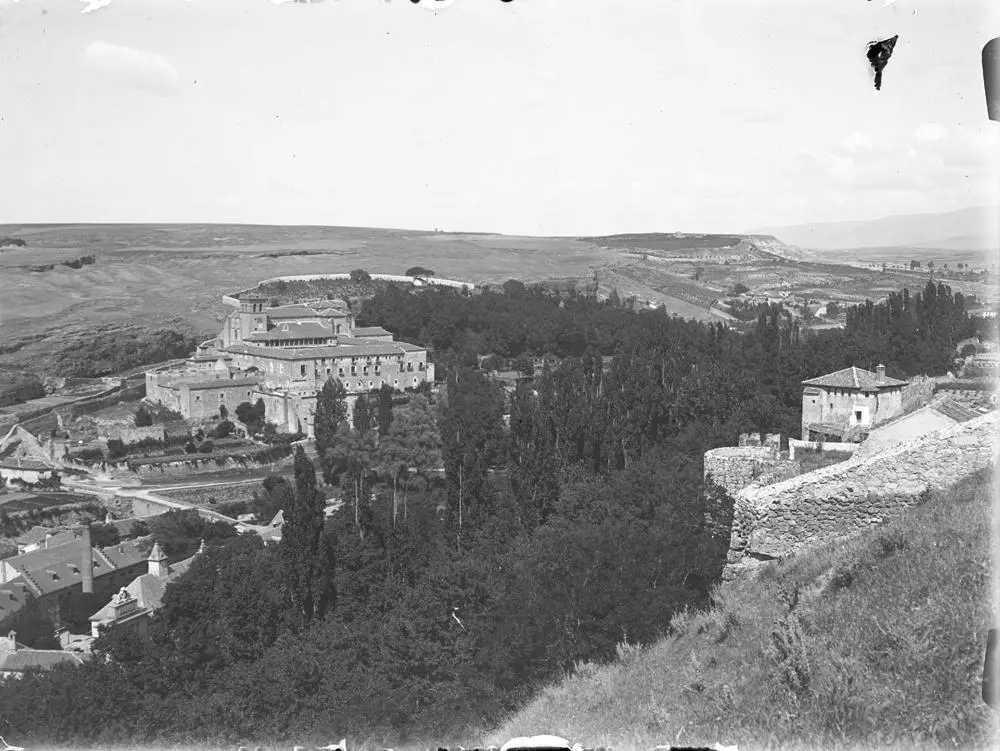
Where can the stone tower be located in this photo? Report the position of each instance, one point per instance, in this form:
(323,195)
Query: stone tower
(253,319)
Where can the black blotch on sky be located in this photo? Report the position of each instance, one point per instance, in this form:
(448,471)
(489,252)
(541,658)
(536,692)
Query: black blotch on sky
(878,55)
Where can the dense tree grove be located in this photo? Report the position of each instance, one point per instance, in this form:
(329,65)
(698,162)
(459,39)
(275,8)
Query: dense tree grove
(571,515)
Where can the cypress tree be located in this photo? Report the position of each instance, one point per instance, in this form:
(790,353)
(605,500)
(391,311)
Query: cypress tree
(307,549)
(331,410)
(384,409)
(362,415)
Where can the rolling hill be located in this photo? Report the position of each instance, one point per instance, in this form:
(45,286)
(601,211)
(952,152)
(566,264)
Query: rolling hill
(970,229)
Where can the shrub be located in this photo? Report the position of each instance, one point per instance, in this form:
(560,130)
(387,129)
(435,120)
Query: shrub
(206,447)
(223,429)
(360,275)
(116,449)
(233,509)
(142,417)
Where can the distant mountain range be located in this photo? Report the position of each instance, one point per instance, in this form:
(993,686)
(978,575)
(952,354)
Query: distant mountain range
(972,229)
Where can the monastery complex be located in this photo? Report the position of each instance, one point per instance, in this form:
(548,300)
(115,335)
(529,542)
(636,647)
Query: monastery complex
(283,355)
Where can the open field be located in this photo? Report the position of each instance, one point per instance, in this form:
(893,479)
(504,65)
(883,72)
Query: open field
(11,502)
(149,277)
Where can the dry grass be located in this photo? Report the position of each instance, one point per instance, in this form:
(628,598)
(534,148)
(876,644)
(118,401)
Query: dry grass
(883,647)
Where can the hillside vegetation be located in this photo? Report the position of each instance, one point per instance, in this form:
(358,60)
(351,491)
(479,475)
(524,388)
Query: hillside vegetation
(875,642)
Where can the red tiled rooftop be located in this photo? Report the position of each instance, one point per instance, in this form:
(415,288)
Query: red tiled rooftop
(853,378)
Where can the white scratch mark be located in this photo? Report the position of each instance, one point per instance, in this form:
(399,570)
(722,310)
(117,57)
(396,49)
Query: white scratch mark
(93,5)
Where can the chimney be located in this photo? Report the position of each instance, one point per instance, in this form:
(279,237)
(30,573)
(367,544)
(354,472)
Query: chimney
(881,374)
(88,561)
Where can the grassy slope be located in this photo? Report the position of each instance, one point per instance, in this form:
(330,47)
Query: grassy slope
(884,648)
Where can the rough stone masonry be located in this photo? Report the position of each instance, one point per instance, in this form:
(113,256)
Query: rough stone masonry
(842,499)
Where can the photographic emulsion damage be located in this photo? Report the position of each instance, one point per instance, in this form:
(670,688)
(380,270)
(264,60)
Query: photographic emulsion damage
(508,375)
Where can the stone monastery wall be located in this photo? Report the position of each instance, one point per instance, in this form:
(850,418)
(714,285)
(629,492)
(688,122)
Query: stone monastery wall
(848,497)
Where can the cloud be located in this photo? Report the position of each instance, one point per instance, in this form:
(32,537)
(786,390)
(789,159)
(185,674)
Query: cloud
(143,70)
(857,141)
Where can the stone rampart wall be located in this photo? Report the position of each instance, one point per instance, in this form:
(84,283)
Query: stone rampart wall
(735,467)
(851,496)
(917,392)
(129,435)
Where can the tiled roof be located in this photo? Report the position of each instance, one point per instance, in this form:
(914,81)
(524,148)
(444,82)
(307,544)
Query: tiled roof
(346,348)
(287,331)
(54,568)
(14,595)
(128,553)
(147,589)
(36,534)
(223,383)
(23,658)
(853,378)
(43,558)
(303,311)
(360,332)
(955,410)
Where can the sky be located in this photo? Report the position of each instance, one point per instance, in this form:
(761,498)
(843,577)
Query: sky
(544,117)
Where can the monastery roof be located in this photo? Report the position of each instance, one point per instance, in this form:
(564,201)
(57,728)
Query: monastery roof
(23,658)
(286,331)
(346,347)
(223,383)
(304,311)
(853,378)
(360,332)
(54,568)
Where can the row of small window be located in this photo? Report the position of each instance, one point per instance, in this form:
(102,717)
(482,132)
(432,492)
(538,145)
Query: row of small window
(222,396)
(364,369)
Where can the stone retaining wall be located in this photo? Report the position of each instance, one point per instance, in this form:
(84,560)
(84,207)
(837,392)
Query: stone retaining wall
(182,467)
(735,467)
(851,496)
